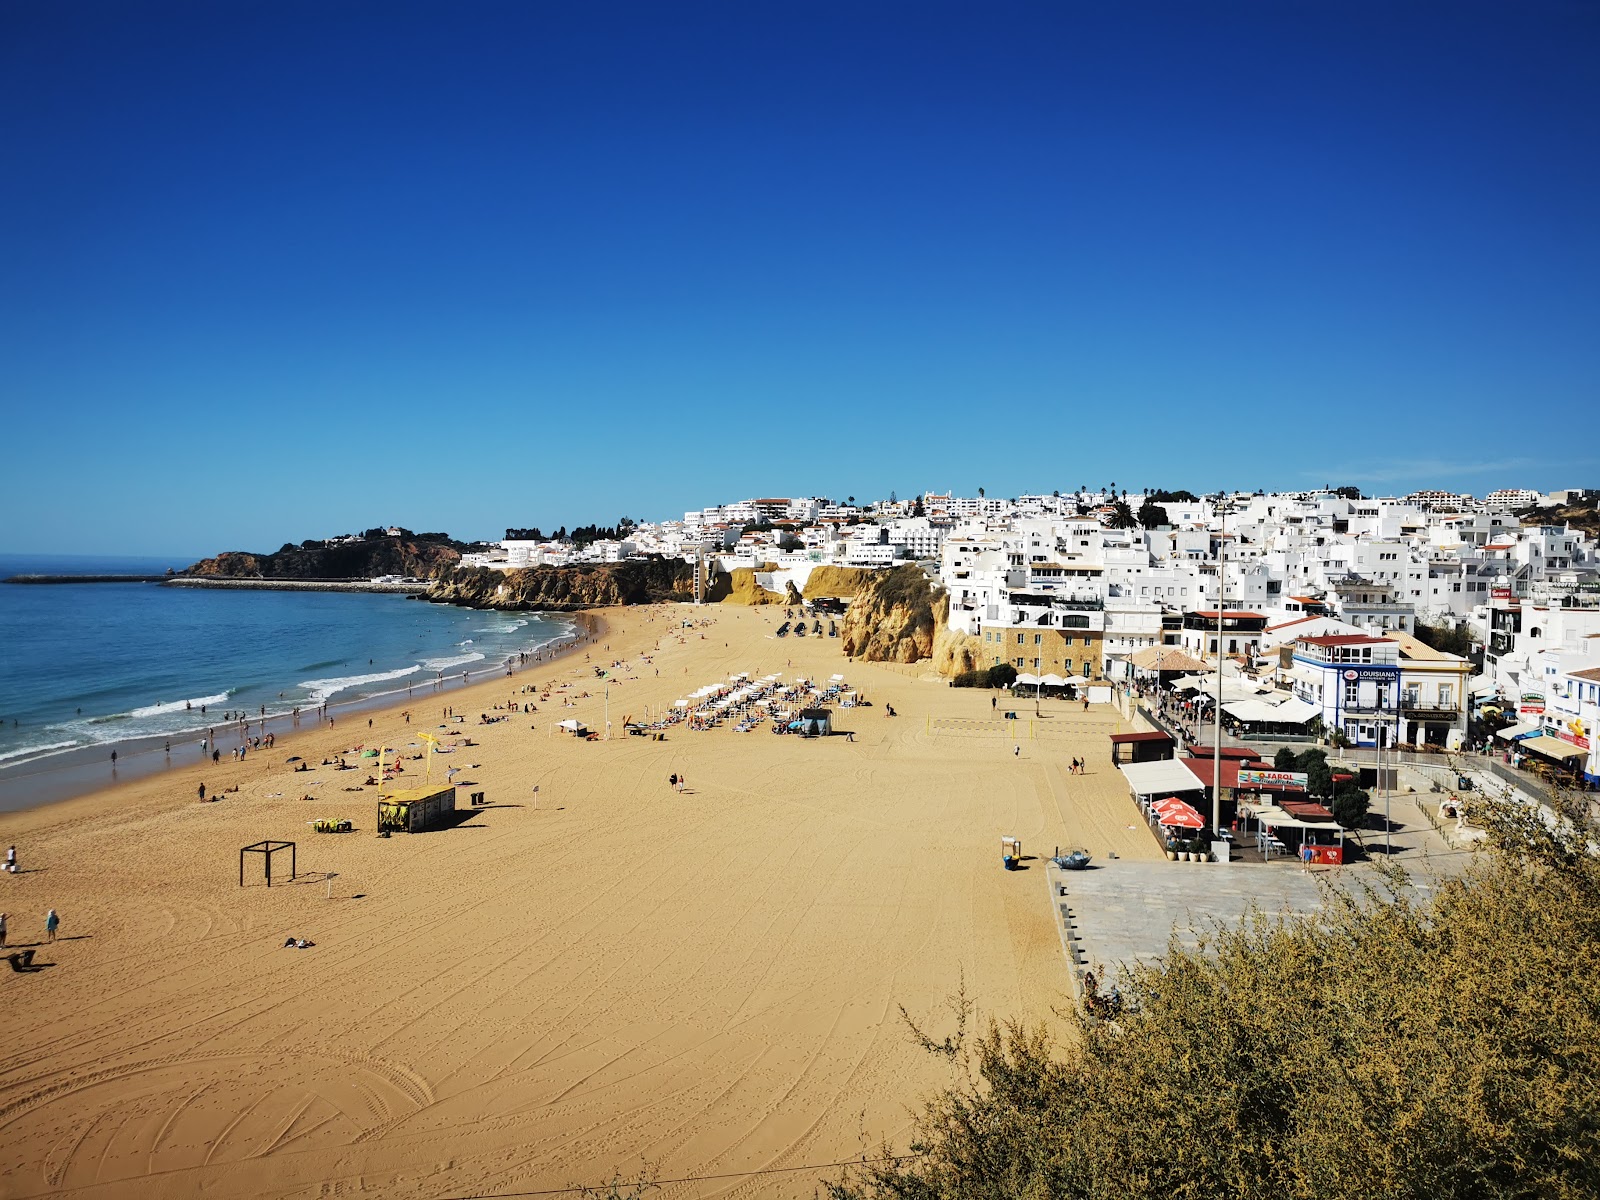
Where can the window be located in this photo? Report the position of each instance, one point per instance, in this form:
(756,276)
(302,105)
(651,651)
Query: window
(1352,692)
(1088,670)
(1069,639)
(1019,642)
(1038,639)
(1447,694)
(1018,664)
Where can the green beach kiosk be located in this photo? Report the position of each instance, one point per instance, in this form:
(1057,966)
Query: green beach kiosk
(413,810)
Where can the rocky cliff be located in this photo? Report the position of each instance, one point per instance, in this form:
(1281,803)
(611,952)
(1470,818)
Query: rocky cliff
(894,617)
(741,587)
(955,652)
(564,589)
(352,560)
(836,581)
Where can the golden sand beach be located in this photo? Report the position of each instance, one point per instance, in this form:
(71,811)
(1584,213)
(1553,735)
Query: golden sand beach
(707,981)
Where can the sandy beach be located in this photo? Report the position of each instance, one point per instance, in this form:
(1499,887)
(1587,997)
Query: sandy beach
(706,981)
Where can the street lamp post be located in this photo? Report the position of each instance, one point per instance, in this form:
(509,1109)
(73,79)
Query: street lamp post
(1216,752)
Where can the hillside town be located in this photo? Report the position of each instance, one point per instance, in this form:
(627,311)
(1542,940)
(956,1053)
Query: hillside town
(1431,619)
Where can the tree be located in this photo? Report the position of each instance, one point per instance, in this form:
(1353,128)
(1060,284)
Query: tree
(1152,515)
(1122,516)
(1350,806)
(850,500)
(980,493)
(917,508)
(1319,778)
(1452,639)
(1002,675)
(1284,760)
(893,499)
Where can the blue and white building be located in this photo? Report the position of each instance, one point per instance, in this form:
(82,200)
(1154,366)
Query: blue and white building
(1354,679)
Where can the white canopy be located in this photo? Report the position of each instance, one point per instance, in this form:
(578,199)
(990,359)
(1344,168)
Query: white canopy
(570,725)
(1292,710)
(1073,681)
(1158,778)
(1511,732)
(1052,681)
(1025,680)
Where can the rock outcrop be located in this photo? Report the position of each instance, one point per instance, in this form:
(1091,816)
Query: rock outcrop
(841,582)
(348,560)
(893,617)
(955,652)
(740,587)
(565,589)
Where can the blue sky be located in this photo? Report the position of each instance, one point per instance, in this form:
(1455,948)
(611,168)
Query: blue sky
(276,270)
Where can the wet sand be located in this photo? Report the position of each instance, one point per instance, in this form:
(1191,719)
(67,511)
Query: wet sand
(709,981)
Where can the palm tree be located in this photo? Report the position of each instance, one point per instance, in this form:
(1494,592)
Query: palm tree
(850,500)
(980,493)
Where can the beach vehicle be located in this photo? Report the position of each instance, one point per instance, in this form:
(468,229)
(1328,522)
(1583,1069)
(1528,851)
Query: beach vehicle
(783,630)
(1076,859)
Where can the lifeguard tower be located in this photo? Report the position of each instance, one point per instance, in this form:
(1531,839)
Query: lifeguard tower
(414,810)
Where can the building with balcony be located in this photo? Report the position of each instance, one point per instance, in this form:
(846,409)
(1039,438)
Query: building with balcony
(1354,679)
(1242,633)
(1047,634)
(1433,694)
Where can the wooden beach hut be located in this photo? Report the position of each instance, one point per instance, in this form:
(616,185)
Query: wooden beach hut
(413,810)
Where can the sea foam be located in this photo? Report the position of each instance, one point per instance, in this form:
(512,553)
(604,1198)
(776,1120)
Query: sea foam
(440,664)
(156,710)
(321,689)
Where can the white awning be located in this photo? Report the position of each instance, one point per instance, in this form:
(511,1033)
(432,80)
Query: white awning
(1512,732)
(1160,778)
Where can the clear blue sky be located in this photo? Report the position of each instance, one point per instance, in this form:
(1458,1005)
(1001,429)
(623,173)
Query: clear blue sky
(275,270)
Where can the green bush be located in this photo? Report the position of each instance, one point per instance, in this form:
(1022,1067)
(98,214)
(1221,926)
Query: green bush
(1404,1044)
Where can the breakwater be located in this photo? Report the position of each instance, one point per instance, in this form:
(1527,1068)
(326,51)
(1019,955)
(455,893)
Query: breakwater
(293,585)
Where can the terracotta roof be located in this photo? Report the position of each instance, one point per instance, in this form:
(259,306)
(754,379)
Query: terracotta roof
(1592,674)
(1118,739)
(1343,639)
(1297,621)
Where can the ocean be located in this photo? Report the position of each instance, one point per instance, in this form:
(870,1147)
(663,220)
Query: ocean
(88,667)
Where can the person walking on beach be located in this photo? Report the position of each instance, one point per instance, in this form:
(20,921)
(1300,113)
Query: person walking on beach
(11,859)
(51,924)
(202,793)
(3,930)
(113,760)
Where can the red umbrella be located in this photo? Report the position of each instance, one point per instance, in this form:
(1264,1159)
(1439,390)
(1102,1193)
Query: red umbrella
(1169,804)
(1187,818)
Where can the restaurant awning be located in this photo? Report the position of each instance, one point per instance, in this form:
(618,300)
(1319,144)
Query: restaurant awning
(1512,733)
(1166,775)
(1553,747)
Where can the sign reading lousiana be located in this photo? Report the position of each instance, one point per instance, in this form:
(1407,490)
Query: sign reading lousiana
(1272,779)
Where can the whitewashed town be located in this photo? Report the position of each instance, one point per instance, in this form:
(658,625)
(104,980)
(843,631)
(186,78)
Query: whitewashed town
(1433,619)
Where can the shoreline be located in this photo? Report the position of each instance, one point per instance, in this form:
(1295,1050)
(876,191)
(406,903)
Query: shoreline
(71,774)
(622,936)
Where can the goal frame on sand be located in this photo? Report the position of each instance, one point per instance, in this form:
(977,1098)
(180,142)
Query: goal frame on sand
(267,849)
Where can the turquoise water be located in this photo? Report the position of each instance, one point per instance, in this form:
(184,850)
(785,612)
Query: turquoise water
(95,664)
